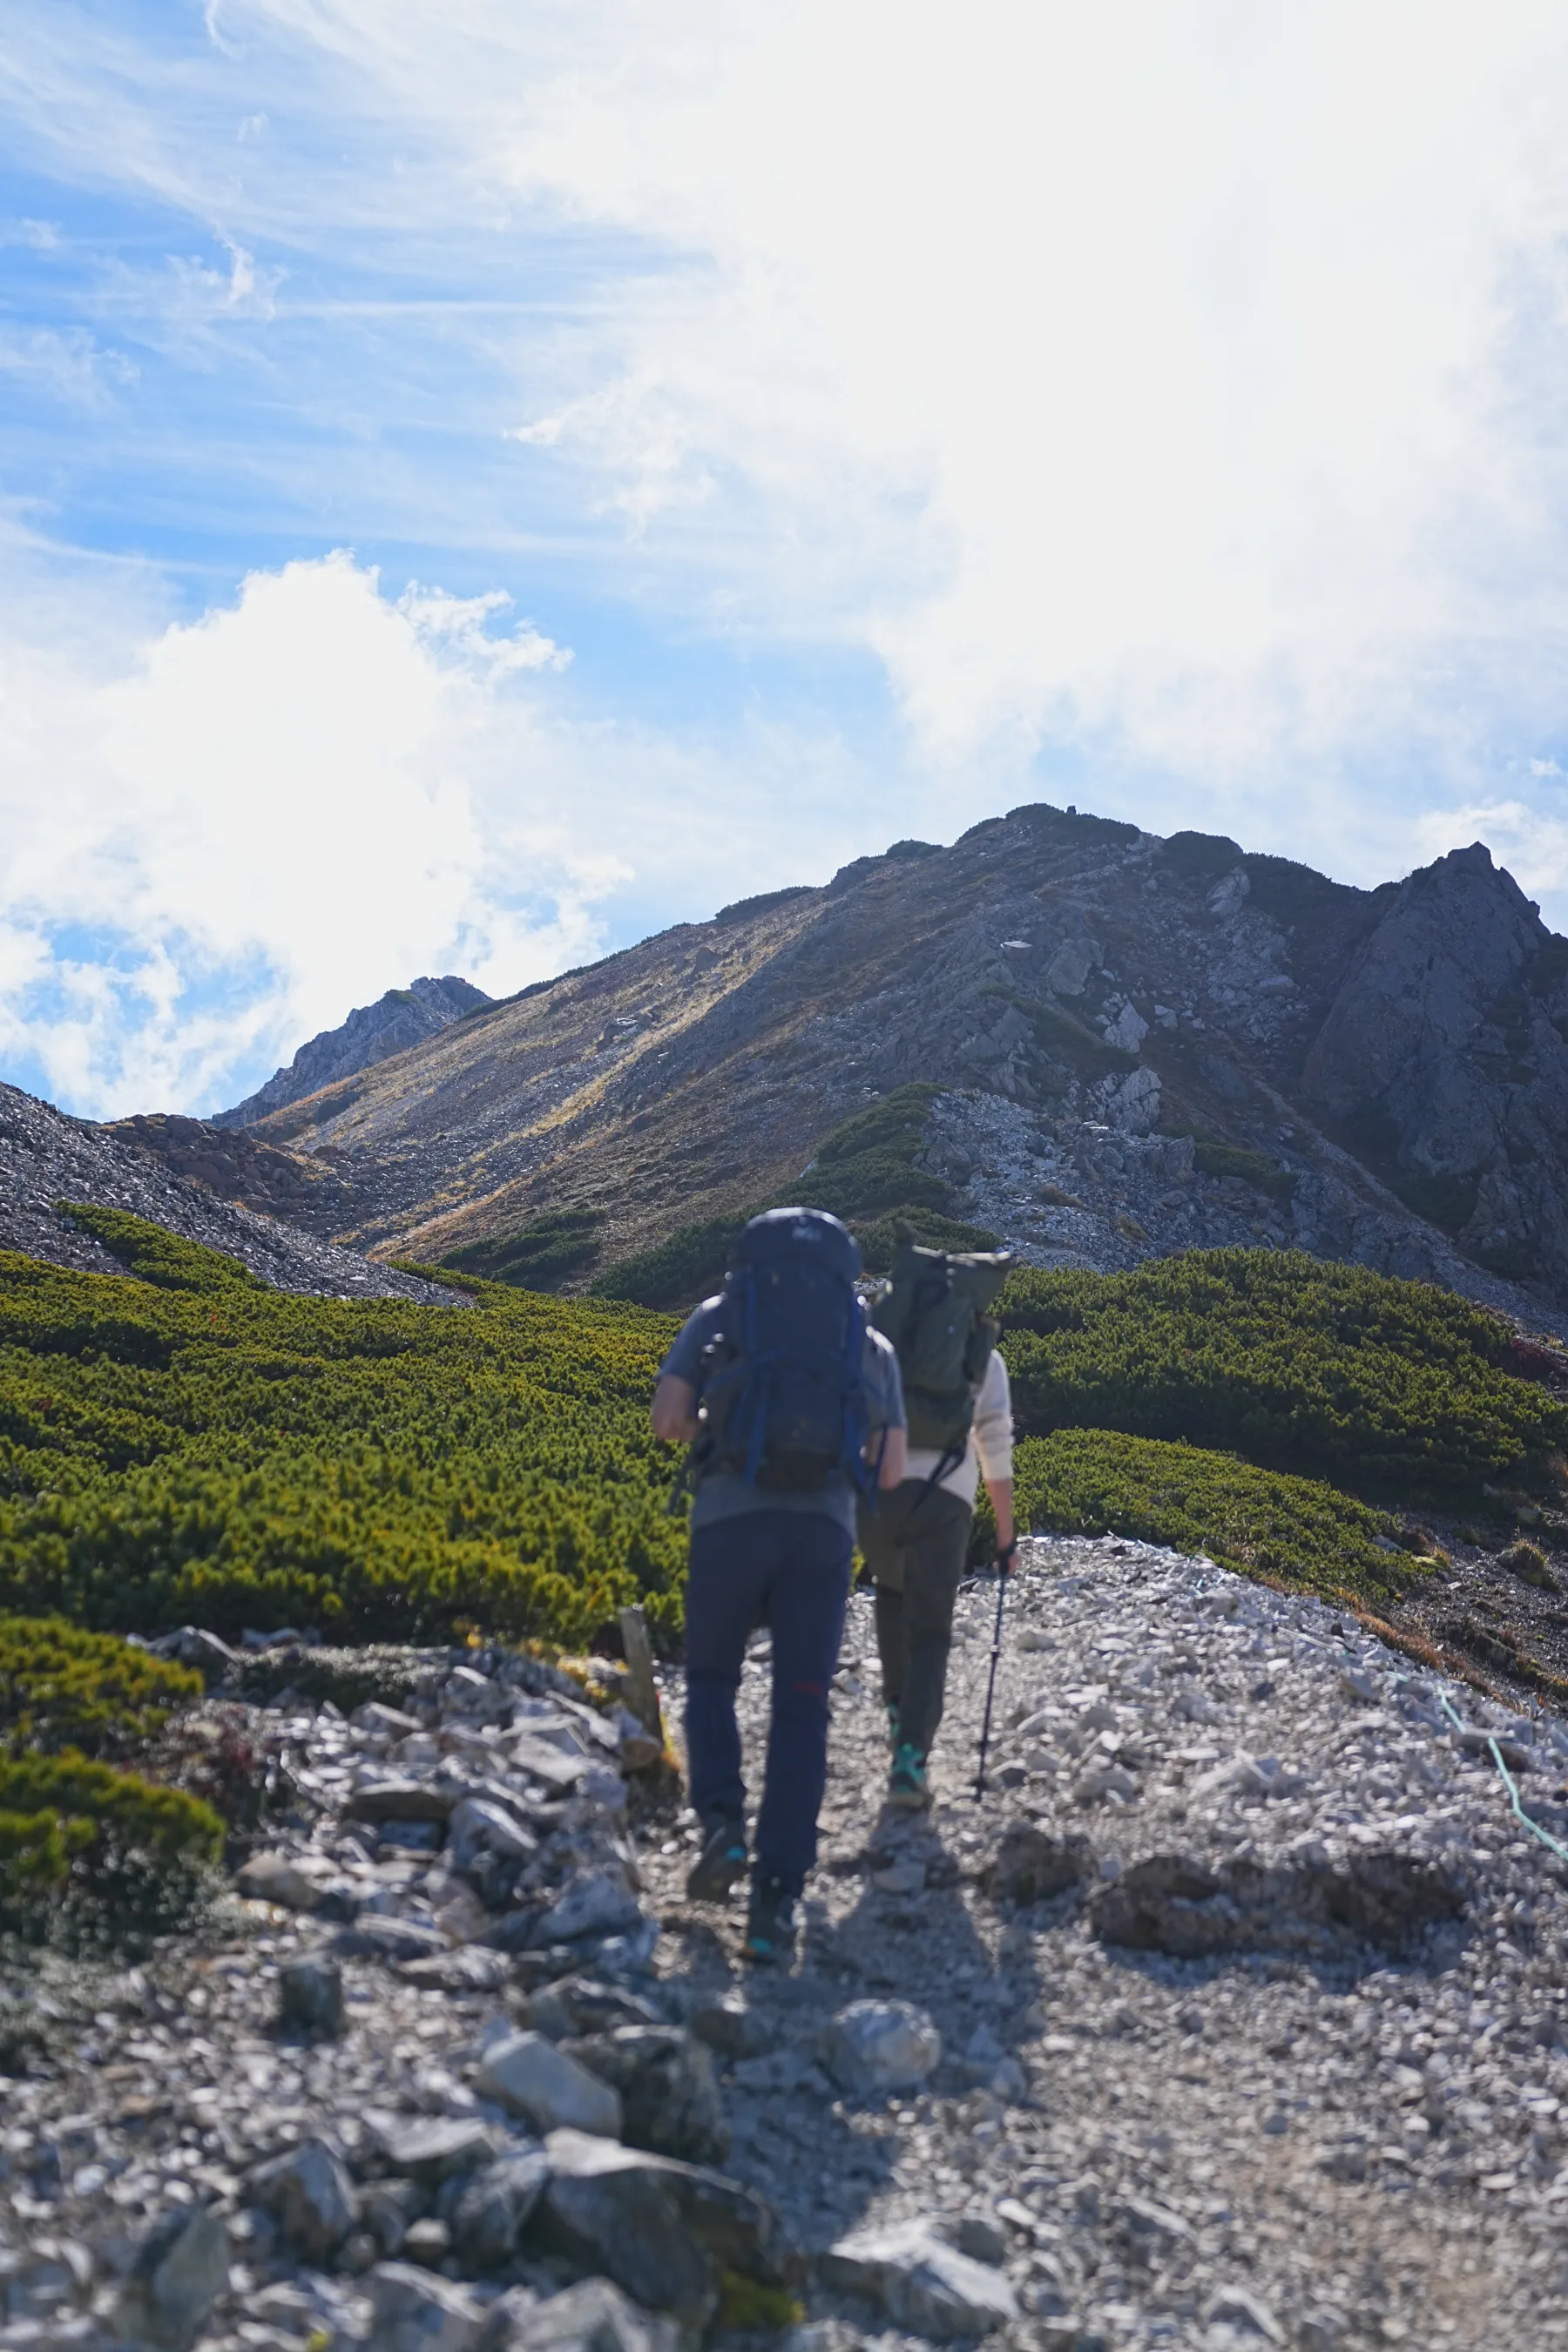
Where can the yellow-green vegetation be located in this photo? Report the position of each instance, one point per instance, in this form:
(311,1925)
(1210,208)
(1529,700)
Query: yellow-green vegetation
(864,1171)
(1383,1386)
(62,1687)
(1295,1532)
(92,1850)
(201,1448)
(540,1255)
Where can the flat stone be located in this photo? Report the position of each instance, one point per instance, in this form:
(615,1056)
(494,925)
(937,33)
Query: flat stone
(541,1762)
(469,1970)
(528,2074)
(919,2280)
(178,2271)
(384,1722)
(403,1801)
(881,2046)
(309,2195)
(434,2148)
(389,1939)
(413,2311)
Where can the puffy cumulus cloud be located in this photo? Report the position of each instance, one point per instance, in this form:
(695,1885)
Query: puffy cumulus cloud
(222,834)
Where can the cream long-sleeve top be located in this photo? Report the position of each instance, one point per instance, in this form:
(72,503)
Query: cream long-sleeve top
(990,1446)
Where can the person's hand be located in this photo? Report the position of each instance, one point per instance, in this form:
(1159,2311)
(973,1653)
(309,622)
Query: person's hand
(1004,1554)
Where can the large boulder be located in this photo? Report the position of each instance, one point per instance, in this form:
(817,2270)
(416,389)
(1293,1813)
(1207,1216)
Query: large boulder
(668,2088)
(921,2283)
(663,2230)
(495,2207)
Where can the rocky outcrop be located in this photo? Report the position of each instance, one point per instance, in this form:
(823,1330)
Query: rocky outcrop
(1443,1063)
(373,1033)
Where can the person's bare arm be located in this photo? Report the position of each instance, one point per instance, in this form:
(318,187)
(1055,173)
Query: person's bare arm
(674,1413)
(895,1451)
(1001,1493)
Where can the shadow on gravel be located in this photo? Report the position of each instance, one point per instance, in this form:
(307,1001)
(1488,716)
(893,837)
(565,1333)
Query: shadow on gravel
(910,1938)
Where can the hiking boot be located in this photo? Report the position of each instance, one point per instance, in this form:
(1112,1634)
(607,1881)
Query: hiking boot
(770,1925)
(721,1861)
(907,1784)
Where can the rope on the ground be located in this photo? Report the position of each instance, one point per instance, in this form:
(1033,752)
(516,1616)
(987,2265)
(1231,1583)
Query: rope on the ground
(1509,1783)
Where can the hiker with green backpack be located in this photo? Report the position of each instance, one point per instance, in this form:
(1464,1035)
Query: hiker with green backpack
(915,1538)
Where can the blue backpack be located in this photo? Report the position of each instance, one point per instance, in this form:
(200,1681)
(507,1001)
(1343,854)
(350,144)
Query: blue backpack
(783,1389)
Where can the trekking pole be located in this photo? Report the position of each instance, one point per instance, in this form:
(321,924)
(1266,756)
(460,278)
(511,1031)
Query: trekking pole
(1004,1561)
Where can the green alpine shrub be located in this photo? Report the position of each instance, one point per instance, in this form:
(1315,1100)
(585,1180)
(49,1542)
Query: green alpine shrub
(220,1453)
(1295,1364)
(1259,1522)
(61,1687)
(137,1858)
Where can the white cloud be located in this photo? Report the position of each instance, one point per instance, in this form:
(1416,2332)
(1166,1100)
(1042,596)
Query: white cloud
(1188,376)
(1174,389)
(1532,843)
(220,835)
(68,364)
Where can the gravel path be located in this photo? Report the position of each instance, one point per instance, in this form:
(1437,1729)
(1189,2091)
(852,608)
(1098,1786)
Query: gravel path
(1366,2142)
(1250,1990)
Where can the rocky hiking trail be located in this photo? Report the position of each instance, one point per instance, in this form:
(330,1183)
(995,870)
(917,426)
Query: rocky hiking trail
(1233,2016)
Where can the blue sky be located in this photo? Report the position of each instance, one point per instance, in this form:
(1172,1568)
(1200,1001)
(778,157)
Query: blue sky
(479,482)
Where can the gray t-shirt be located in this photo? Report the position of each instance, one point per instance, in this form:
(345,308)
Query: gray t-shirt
(725,1495)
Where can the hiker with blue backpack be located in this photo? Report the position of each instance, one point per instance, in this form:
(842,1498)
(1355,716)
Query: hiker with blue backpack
(791,1407)
(935,1309)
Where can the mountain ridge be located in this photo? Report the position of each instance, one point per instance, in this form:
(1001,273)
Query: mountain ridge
(1170,1036)
(398,1018)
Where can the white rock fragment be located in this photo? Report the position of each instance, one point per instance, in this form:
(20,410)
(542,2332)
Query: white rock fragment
(527,2074)
(881,2046)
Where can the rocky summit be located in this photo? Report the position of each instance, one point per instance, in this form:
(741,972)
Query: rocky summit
(1231,2015)
(1128,1045)
(369,1033)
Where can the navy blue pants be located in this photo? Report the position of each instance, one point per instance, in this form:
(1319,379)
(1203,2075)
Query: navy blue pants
(788,1571)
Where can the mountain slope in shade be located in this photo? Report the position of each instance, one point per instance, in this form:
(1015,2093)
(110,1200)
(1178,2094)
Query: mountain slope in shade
(1132,1045)
(399,1019)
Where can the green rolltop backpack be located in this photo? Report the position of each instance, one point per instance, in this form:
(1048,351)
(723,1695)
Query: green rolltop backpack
(935,1309)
